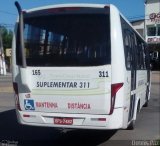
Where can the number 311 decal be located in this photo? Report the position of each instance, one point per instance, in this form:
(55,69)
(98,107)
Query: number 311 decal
(103,74)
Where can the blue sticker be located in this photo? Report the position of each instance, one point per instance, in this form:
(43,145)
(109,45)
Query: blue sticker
(29,104)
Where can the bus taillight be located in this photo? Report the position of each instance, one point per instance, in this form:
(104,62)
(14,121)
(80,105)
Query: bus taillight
(114,90)
(15,87)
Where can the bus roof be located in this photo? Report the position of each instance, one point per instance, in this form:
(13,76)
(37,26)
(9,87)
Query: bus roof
(67,5)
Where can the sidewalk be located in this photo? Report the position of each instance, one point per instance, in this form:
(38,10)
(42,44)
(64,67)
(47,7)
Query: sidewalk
(155,76)
(8,75)
(6,83)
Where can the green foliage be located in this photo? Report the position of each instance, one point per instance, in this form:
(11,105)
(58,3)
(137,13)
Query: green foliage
(6,37)
(7,42)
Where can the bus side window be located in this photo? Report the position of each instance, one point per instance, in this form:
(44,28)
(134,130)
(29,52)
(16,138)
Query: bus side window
(141,61)
(127,50)
(144,56)
(139,55)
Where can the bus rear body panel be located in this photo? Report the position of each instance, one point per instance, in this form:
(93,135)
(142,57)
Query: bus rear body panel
(67,98)
(66,90)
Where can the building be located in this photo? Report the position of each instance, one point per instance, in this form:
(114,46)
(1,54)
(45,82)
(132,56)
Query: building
(149,28)
(152,22)
(139,26)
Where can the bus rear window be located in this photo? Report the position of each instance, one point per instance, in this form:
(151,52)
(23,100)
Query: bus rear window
(67,40)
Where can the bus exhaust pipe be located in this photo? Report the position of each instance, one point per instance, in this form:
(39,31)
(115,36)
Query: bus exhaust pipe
(21,29)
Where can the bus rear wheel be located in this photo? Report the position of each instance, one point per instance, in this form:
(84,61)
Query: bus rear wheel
(131,126)
(146,103)
(147,94)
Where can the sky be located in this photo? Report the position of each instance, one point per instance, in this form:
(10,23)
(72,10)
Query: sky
(131,9)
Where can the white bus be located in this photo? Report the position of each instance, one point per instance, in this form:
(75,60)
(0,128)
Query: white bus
(79,66)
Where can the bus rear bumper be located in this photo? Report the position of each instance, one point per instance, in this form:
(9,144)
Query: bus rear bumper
(79,121)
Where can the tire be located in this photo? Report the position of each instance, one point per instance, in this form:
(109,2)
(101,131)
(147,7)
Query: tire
(131,126)
(138,107)
(146,103)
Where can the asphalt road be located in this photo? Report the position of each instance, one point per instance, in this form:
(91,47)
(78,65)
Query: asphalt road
(147,125)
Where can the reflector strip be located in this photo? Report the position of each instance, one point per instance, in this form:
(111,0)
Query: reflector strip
(101,119)
(98,119)
(26,116)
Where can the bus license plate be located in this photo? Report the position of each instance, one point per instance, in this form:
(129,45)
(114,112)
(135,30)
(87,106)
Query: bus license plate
(63,121)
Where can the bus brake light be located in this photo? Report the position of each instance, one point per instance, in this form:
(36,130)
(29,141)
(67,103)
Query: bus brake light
(64,9)
(114,90)
(15,87)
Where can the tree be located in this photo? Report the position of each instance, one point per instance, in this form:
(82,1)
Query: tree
(6,37)
(7,42)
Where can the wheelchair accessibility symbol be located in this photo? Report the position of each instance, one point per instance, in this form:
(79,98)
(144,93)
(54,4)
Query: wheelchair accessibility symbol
(29,104)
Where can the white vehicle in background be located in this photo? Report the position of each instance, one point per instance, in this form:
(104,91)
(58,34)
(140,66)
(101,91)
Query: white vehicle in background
(79,66)
(2,58)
